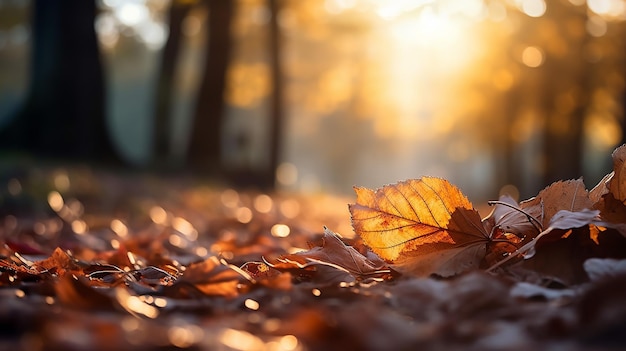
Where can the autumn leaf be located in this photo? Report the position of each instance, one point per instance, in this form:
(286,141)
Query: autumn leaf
(609,196)
(508,217)
(602,188)
(603,268)
(561,222)
(423,226)
(59,261)
(335,253)
(212,277)
(617,184)
(79,292)
(570,195)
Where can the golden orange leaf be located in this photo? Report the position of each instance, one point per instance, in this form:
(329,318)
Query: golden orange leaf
(422,226)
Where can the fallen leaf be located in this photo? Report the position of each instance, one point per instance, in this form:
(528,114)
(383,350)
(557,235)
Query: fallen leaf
(602,311)
(559,259)
(562,220)
(609,196)
(565,219)
(30,248)
(602,188)
(560,223)
(528,290)
(423,226)
(78,292)
(335,252)
(602,268)
(508,216)
(60,262)
(617,184)
(568,195)
(212,277)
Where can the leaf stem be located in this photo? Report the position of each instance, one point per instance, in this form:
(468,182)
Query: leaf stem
(534,221)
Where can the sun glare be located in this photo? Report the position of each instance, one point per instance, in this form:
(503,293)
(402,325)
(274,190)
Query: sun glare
(428,51)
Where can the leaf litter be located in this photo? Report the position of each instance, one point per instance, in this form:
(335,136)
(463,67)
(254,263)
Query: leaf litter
(105,263)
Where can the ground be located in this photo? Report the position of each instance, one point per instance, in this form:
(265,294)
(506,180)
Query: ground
(95,259)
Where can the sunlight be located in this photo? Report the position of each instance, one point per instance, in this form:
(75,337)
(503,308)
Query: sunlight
(608,8)
(428,51)
(252,304)
(61,180)
(290,208)
(289,342)
(263,203)
(533,8)
(532,56)
(243,215)
(55,200)
(184,227)
(184,336)
(280,230)
(119,228)
(158,215)
(391,9)
(79,226)
(240,340)
(134,304)
(131,14)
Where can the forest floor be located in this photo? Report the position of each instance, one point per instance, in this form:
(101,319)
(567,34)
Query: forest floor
(102,260)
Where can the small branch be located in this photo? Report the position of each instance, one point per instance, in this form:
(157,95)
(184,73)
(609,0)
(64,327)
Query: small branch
(534,221)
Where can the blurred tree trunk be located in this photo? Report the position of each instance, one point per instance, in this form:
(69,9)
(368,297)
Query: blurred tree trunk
(64,112)
(566,101)
(204,153)
(276,105)
(162,121)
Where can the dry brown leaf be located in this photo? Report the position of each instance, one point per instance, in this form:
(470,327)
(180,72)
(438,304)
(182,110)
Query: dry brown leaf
(602,188)
(568,195)
(510,218)
(562,222)
(79,292)
(423,226)
(335,252)
(332,261)
(60,262)
(604,268)
(212,277)
(617,184)
(609,196)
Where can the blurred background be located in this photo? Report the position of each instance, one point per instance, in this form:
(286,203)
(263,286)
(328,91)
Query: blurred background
(319,95)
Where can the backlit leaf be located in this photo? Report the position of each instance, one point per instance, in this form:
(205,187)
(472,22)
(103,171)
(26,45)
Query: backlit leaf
(424,226)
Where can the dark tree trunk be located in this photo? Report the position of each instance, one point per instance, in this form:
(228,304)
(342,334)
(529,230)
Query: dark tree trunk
(64,112)
(162,120)
(204,153)
(276,105)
